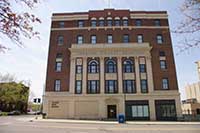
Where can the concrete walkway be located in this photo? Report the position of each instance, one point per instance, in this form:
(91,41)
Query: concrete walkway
(114,122)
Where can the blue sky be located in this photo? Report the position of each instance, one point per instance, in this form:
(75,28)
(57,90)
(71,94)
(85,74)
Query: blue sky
(29,63)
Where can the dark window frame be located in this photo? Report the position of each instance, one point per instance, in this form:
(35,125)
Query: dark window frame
(138,22)
(126,84)
(144,86)
(142,68)
(60,40)
(163,64)
(79,71)
(117,22)
(111,84)
(93,40)
(126,38)
(90,89)
(108,39)
(93,23)
(128,66)
(80,23)
(77,85)
(93,66)
(61,24)
(111,66)
(165,84)
(80,41)
(157,22)
(57,85)
(159,39)
(140,38)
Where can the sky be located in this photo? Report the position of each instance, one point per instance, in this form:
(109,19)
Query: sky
(30,62)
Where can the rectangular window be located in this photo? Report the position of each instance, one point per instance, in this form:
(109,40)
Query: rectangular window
(117,22)
(80,39)
(58,66)
(157,22)
(165,84)
(159,39)
(161,53)
(93,23)
(129,86)
(60,40)
(80,23)
(125,22)
(93,86)
(78,69)
(142,68)
(139,38)
(78,89)
(101,23)
(125,38)
(109,22)
(163,64)
(93,39)
(144,87)
(138,22)
(111,86)
(57,86)
(109,39)
(140,111)
(61,24)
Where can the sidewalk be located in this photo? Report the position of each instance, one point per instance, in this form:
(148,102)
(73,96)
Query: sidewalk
(39,119)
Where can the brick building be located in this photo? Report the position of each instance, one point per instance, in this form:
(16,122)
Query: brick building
(105,62)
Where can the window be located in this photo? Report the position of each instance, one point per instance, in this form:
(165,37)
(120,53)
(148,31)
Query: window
(138,22)
(165,110)
(60,40)
(128,66)
(80,39)
(111,66)
(165,84)
(61,24)
(101,23)
(111,86)
(129,86)
(125,38)
(109,22)
(159,39)
(57,86)
(78,69)
(125,22)
(58,66)
(93,39)
(93,23)
(157,22)
(78,89)
(93,86)
(117,22)
(163,64)
(109,39)
(139,38)
(144,88)
(140,111)
(162,53)
(80,23)
(142,68)
(93,67)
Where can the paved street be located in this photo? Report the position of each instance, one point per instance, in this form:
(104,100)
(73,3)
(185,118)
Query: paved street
(22,124)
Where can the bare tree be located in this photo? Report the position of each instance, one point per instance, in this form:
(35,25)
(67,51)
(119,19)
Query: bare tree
(7,78)
(190,25)
(14,25)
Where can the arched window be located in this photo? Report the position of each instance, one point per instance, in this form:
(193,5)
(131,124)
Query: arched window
(93,67)
(111,66)
(128,66)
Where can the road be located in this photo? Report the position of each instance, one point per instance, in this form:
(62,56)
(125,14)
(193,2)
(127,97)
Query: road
(22,124)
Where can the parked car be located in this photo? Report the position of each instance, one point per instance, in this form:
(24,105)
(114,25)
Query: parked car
(15,112)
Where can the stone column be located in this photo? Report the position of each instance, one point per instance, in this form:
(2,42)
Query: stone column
(137,73)
(84,85)
(102,82)
(149,74)
(72,75)
(119,72)
(178,106)
(152,111)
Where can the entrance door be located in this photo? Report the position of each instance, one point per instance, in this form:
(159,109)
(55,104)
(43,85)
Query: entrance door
(112,111)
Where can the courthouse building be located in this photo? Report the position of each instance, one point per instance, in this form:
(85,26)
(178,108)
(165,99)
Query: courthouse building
(103,63)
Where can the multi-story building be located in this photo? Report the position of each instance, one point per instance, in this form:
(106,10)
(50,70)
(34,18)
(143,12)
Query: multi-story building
(106,62)
(192,103)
